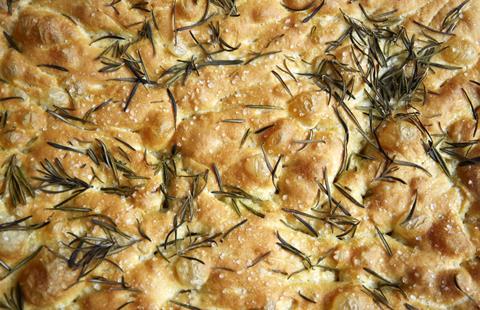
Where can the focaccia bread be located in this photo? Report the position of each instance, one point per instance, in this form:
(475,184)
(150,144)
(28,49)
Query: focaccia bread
(240,154)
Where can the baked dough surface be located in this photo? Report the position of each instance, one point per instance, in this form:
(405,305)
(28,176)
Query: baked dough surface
(240,154)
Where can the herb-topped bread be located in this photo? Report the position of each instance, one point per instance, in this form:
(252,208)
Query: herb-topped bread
(222,154)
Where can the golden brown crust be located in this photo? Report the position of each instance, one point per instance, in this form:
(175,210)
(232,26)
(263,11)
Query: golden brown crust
(240,154)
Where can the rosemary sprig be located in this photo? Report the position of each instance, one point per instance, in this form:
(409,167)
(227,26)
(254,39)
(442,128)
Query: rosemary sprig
(183,69)
(411,212)
(141,232)
(285,86)
(200,45)
(377,296)
(20,264)
(173,102)
(16,183)
(11,98)
(10,6)
(108,159)
(392,64)
(307,141)
(305,8)
(285,69)
(228,7)
(168,167)
(204,19)
(218,177)
(265,156)
(273,173)
(65,147)
(308,299)
(121,285)
(96,108)
(141,6)
(384,282)
(306,261)
(187,244)
(112,5)
(343,165)
(474,112)
(15,300)
(102,154)
(410,164)
(56,180)
(237,196)
(183,305)
(128,145)
(385,244)
(140,75)
(71,209)
(313,13)
(380,18)
(244,137)
(124,191)
(231,229)
(180,71)
(108,36)
(216,39)
(386,169)
(326,188)
(377,293)
(54,176)
(452,18)
(347,195)
(431,29)
(146,32)
(293,250)
(52,66)
(258,55)
(89,251)
(329,76)
(116,49)
(125,304)
(15,225)
(188,205)
(431,150)
(475,82)
(345,223)
(307,225)
(258,259)
(263,107)
(65,115)
(109,65)
(464,160)
(11,42)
